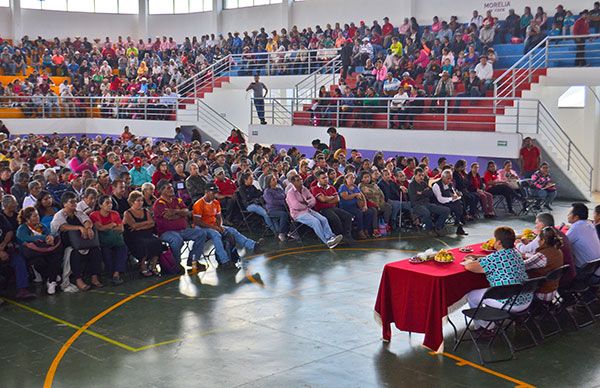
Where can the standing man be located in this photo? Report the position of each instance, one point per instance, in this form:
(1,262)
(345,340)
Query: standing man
(529,158)
(336,141)
(581,27)
(346,57)
(260,90)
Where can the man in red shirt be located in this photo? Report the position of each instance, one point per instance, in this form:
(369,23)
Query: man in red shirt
(227,189)
(171,216)
(387,30)
(409,171)
(327,204)
(581,27)
(529,158)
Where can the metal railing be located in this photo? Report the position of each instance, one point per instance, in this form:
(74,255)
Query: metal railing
(297,62)
(485,114)
(553,51)
(208,119)
(326,75)
(124,107)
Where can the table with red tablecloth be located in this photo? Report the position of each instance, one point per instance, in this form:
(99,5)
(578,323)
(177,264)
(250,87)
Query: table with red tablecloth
(416,297)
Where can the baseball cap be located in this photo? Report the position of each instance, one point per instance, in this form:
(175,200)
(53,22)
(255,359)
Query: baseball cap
(219,170)
(39,167)
(101,173)
(72,177)
(137,161)
(212,187)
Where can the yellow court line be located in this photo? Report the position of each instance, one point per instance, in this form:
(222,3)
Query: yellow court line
(71,325)
(462,362)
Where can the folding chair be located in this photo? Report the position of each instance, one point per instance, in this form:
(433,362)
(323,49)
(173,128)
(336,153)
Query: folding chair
(495,316)
(523,318)
(530,204)
(251,220)
(578,291)
(550,309)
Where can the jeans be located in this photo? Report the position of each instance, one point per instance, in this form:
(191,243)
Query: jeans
(259,104)
(396,208)
(17,262)
(363,221)
(317,223)
(115,259)
(546,196)
(217,239)
(281,220)
(257,209)
(424,212)
(175,239)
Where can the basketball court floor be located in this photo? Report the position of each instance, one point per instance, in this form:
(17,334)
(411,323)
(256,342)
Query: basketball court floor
(295,317)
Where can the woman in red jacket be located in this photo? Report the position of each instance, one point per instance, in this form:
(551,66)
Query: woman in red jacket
(162,172)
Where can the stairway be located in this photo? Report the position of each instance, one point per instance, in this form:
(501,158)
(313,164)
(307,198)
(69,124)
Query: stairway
(478,117)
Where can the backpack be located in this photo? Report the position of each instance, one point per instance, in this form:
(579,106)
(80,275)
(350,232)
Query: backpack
(168,265)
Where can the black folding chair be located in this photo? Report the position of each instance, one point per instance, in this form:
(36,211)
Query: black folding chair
(252,221)
(549,309)
(578,294)
(522,319)
(492,315)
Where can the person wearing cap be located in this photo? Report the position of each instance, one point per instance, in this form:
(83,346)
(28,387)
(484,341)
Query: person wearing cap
(139,174)
(76,185)
(444,88)
(581,27)
(207,216)
(104,186)
(300,201)
(171,216)
(407,80)
(226,190)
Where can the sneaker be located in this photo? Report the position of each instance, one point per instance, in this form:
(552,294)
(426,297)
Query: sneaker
(198,267)
(24,294)
(460,231)
(281,237)
(334,241)
(227,265)
(51,288)
(71,288)
(37,277)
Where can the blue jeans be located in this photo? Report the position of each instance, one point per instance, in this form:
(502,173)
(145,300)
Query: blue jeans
(424,212)
(281,220)
(318,223)
(17,262)
(546,196)
(115,259)
(175,239)
(257,209)
(217,239)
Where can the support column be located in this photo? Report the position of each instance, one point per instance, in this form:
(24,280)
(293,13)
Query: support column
(16,20)
(217,15)
(287,14)
(143,19)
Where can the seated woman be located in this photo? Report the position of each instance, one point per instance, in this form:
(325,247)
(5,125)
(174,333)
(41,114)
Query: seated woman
(150,199)
(354,202)
(251,199)
(503,267)
(139,235)
(274,197)
(508,175)
(495,186)
(40,248)
(162,172)
(110,231)
(544,187)
(476,186)
(376,200)
(70,219)
(547,258)
(46,209)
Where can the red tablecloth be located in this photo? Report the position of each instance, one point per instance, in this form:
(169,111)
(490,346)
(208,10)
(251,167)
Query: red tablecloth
(416,297)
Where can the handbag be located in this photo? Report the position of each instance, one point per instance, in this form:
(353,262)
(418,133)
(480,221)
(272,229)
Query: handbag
(111,238)
(79,243)
(40,246)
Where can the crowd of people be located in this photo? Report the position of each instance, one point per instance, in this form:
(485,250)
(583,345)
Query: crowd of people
(74,210)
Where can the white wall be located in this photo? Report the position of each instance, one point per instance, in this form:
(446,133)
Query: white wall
(252,18)
(425,142)
(50,24)
(5,23)
(180,26)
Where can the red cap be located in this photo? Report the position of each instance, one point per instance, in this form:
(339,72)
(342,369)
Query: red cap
(349,40)
(137,161)
(72,177)
(362,22)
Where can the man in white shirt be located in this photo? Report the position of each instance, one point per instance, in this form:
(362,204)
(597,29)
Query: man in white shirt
(445,195)
(477,19)
(485,72)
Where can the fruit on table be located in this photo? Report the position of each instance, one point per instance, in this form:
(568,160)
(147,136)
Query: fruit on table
(444,256)
(528,234)
(489,244)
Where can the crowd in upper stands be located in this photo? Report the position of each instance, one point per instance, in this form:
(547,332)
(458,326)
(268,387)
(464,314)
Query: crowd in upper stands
(75,209)
(128,69)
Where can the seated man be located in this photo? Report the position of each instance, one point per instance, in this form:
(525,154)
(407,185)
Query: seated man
(327,202)
(393,196)
(420,196)
(524,246)
(225,194)
(582,236)
(445,195)
(301,201)
(207,215)
(172,226)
